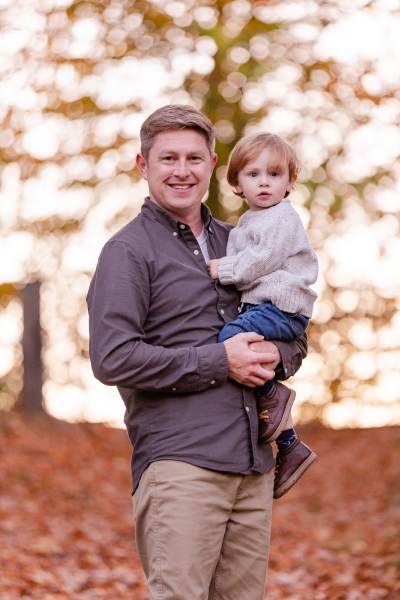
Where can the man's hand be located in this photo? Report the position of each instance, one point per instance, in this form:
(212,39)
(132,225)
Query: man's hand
(213,267)
(251,360)
(267,348)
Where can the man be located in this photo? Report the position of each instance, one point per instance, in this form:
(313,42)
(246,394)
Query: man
(203,486)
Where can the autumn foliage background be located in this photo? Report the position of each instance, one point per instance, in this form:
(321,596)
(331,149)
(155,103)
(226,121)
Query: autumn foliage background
(77,80)
(67,529)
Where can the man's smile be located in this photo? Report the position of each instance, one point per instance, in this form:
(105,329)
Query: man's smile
(181,186)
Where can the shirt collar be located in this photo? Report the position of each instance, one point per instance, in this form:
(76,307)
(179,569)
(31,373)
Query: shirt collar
(155,212)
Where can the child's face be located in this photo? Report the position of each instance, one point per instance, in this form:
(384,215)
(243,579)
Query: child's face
(262,186)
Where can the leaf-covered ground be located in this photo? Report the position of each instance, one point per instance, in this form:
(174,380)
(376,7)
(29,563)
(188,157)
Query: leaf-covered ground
(67,529)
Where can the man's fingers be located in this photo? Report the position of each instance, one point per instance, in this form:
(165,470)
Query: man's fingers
(257,376)
(246,366)
(264,373)
(271,357)
(263,358)
(251,337)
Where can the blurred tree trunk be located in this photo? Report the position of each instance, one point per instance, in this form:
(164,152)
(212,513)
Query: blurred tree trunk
(31,394)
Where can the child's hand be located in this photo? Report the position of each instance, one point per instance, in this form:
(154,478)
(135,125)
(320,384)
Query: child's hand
(213,267)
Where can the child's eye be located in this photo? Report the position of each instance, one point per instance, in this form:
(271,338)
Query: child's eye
(253,174)
(274,174)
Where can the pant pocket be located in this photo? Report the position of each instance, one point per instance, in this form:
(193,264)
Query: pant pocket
(135,501)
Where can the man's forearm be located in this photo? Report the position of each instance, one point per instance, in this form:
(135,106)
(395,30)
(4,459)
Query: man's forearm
(141,366)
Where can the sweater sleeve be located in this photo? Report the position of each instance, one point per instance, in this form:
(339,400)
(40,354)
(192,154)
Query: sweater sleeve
(268,245)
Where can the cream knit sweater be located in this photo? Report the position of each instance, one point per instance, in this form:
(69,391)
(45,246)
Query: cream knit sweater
(269,257)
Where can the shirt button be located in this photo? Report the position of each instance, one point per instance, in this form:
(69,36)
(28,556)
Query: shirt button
(174,389)
(175,234)
(212,382)
(238,309)
(247,408)
(222,311)
(182,226)
(195,251)
(285,370)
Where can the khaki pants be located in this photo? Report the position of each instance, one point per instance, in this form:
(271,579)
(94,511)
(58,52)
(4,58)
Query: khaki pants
(203,534)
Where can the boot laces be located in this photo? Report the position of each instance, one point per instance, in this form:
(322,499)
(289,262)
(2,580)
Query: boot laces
(263,414)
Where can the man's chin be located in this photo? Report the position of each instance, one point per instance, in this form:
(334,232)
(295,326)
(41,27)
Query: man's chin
(185,197)
(188,199)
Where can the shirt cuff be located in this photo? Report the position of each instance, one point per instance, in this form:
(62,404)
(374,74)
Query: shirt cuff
(286,368)
(225,270)
(213,361)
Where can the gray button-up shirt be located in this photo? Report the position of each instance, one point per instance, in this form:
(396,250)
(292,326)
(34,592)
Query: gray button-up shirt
(155,314)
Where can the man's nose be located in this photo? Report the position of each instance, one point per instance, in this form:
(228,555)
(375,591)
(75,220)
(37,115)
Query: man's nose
(181,168)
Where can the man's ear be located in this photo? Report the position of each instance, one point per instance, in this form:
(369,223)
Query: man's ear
(214,160)
(142,165)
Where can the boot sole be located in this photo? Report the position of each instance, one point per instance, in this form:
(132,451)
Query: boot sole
(284,419)
(285,487)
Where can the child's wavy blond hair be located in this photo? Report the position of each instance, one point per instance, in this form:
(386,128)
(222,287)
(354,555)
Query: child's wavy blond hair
(249,147)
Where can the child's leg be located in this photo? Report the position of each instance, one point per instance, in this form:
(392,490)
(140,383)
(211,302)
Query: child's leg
(274,400)
(268,321)
(273,408)
(291,463)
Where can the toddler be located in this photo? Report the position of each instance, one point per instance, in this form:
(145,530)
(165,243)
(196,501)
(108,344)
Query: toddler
(270,260)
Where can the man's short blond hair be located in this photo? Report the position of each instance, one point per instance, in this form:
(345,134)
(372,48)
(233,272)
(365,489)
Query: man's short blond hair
(251,146)
(172,117)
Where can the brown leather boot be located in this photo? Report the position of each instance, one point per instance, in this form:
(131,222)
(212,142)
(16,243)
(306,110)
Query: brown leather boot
(291,464)
(273,412)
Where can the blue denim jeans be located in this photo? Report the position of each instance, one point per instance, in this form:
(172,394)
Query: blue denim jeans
(269,321)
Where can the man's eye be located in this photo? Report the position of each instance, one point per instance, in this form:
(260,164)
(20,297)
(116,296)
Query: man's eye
(195,158)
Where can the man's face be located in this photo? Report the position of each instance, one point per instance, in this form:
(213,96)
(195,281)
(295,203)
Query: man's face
(178,171)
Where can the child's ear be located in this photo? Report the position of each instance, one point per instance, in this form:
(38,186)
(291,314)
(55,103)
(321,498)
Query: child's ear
(238,189)
(291,183)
